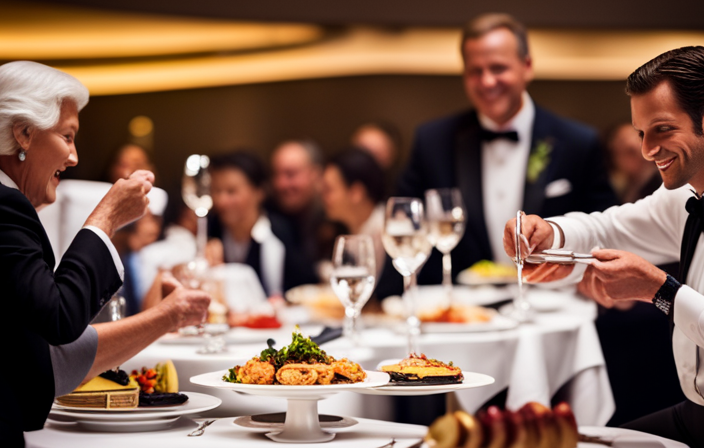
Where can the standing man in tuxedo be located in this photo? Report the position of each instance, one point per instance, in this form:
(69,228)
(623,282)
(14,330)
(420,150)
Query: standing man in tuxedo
(667,110)
(505,154)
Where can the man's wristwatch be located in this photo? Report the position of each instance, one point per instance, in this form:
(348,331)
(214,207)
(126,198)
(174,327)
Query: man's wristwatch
(664,299)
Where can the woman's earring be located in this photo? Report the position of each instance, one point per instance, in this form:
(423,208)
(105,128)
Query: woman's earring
(22,155)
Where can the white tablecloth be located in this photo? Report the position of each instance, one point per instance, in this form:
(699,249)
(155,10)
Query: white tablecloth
(533,361)
(223,433)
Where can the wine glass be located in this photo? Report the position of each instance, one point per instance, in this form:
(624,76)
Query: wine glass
(195,190)
(446,219)
(353,278)
(521,309)
(405,239)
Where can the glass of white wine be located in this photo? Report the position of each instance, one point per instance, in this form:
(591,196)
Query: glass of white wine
(446,219)
(353,278)
(405,239)
(195,190)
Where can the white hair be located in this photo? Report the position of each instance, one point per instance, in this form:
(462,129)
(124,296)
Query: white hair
(32,93)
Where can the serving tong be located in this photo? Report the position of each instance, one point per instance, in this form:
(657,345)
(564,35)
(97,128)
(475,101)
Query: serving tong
(556,256)
(559,256)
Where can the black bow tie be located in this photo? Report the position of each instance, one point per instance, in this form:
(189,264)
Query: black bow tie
(486,135)
(695,206)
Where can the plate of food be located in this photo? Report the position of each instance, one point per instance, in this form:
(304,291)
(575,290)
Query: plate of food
(420,375)
(458,318)
(298,370)
(319,300)
(149,393)
(487,272)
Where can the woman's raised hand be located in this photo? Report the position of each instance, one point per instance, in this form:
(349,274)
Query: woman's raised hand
(125,202)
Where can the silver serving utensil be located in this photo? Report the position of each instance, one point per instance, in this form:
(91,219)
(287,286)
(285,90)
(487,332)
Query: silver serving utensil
(201,429)
(559,256)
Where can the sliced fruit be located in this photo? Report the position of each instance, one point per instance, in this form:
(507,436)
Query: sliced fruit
(541,426)
(444,432)
(516,429)
(567,424)
(473,434)
(494,427)
(167,378)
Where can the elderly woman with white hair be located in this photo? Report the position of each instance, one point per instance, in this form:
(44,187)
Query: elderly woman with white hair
(44,307)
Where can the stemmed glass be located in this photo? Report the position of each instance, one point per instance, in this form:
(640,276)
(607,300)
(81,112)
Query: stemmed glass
(353,278)
(521,309)
(195,190)
(405,239)
(446,220)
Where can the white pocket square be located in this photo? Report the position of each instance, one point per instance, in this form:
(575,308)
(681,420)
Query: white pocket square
(557,188)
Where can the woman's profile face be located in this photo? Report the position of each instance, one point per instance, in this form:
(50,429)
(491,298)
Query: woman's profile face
(335,194)
(48,153)
(234,197)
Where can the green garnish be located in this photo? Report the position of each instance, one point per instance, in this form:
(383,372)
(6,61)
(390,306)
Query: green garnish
(300,350)
(232,377)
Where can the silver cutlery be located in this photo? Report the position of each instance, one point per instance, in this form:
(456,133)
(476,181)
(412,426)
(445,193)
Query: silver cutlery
(201,429)
(390,444)
(558,256)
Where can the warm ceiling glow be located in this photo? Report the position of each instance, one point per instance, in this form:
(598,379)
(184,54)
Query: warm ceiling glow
(146,53)
(38,31)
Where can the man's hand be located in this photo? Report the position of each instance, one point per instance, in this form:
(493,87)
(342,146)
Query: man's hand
(617,275)
(186,307)
(539,236)
(125,202)
(538,233)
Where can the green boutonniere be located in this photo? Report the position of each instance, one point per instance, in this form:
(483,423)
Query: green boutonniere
(538,160)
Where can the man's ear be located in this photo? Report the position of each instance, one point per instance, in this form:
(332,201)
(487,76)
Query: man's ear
(23,134)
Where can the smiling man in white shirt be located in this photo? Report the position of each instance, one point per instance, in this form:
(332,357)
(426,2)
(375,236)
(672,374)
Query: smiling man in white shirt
(504,155)
(667,107)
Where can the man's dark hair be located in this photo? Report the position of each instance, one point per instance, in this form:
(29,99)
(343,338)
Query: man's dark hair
(243,160)
(357,165)
(486,23)
(683,69)
(311,148)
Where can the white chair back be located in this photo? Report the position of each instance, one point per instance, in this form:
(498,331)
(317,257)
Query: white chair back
(75,200)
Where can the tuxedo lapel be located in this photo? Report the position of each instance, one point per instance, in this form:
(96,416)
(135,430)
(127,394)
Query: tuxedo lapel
(534,192)
(468,172)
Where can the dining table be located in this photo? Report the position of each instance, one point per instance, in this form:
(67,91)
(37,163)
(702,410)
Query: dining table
(558,351)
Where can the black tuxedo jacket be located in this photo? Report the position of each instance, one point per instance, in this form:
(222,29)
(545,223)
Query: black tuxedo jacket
(447,153)
(41,307)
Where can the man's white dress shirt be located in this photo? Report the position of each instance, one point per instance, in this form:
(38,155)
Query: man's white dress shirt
(652,228)
(504,164)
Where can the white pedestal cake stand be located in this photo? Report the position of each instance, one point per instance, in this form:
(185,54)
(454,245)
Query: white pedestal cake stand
(301,424)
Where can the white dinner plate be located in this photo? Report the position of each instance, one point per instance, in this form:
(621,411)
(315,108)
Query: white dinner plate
(626,438)
(471,380)
(497,323)
(471,279)
(214,379)
(196,403)
(131,426)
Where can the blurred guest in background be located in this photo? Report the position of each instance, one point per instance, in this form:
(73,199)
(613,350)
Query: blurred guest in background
(353,191)
(125,161)
(242,232)
(632,176)
(383,141)
(296,171)
(504,155)
(131,239)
